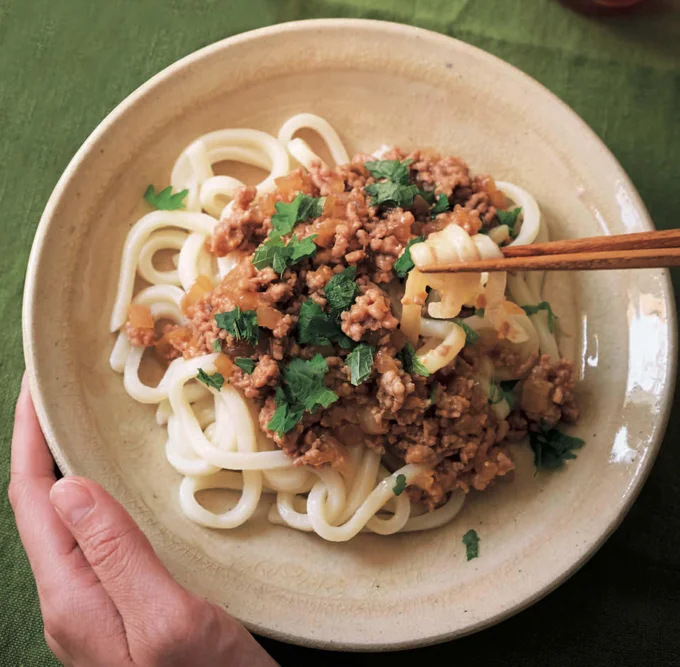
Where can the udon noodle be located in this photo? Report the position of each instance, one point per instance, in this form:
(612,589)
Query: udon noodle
(213,437)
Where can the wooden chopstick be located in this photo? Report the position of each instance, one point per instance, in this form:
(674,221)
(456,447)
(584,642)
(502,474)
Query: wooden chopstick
(625,251)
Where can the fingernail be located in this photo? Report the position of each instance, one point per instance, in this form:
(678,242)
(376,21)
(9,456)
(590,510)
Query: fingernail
(72,500)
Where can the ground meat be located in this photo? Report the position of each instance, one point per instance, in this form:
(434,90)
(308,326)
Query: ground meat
(394,388)
(444,420)
(371,311)
(266,374)
(319,449)
(438,174)
(547,394)
(241,225)
(141,336)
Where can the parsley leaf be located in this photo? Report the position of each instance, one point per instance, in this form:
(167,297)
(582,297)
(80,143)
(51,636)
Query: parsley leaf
(302,208)
(216,380)
(286,416)
(164,200)
(217,345)
(400,485)
(392,170)
(392,194)
(544,305)
(241,324)
(404,264)
(479,312)
(427,195)
(410,361)
(274,253)
(245,364)
(315,327)
(303,382)
(302,390)
(360,362)
(471,542)
(341,290)
(502,391)
(552,448)
(509,218)
(471,336)
(441,206)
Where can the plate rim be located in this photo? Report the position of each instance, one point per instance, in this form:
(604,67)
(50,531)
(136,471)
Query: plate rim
(666,287)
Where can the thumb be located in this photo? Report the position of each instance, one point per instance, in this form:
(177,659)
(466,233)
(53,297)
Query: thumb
(116,549)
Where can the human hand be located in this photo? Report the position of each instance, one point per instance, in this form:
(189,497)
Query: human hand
(106,598)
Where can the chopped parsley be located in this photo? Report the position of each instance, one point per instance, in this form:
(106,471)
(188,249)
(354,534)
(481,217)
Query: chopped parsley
(544,305)
(164,200)
(241,324)
(509,218)
(245,364)
(216,380)
(302,208)
(502,391)
(302,389)
(405,263)
(392,170)
(286,416)
(315,327)
(552,448)
(341,290)
(400,485)
(395,190)
(427,195)
(479,312)
(471,542)
(279,255)
(360,362)
(410,361)
(441,206)
(391,194)
(217,345)
(471,336)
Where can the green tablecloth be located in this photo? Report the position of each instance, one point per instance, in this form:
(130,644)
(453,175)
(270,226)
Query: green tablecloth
(64,65)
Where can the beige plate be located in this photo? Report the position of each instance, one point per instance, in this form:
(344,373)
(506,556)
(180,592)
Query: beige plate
(377,83)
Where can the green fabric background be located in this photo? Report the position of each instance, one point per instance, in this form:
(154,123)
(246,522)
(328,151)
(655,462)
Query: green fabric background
(64,65)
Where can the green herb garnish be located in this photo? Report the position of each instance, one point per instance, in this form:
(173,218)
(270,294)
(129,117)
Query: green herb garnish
(471,336)
(544,305)
(471,542)
(479,312)
(315,327)
(509,218)
(441,206)
(216,380)
(392,170)
(164,200)
(502,392)
(217,345)
(241,324)
(302,389)
(302,208)
(391,194)
(410,361)
(400,485)
(279,255)
(341,290)
(245,364)
(552,448)
(405,263)
(360,362)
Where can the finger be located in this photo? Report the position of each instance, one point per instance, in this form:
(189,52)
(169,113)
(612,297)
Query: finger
(120,554)
(44,537)
(75,608)
(59,652)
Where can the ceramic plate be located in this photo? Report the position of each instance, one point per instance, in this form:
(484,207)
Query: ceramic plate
(377,83)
